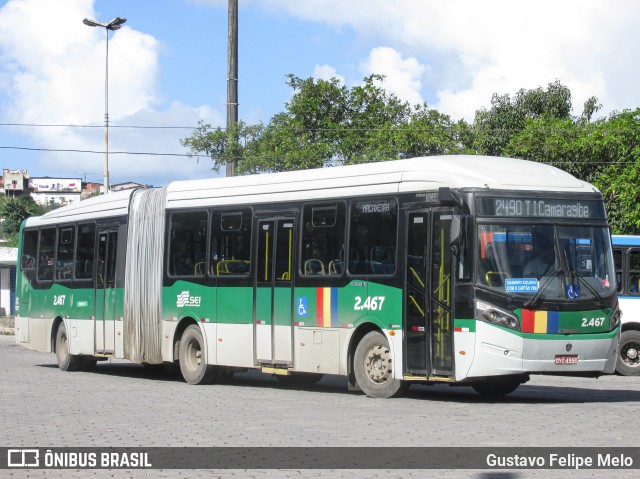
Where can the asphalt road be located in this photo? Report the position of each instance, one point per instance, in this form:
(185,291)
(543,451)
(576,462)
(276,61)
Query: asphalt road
(126,405)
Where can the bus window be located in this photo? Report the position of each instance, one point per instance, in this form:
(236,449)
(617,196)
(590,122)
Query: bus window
(29,249)
(64,253)
(188,244)
(617,261)
(231,243)
(46,253)
(84,251)
(372,243)
(323,239)
(633,278)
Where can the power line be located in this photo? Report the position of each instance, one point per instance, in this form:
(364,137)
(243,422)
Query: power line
(62,150)
(252,157)
(395,128)
(72,125)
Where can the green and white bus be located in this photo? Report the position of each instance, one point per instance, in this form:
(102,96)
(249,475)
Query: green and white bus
(391,273)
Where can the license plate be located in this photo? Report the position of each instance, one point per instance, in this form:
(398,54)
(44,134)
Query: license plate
(566,359)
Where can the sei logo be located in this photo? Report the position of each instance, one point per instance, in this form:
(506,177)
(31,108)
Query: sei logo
(58,299)
(185,299)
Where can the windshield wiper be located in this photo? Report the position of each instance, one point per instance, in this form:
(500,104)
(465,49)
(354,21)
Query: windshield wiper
(535,299)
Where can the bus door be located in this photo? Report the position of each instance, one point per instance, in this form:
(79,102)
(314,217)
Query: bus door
(105,292)
(273,325)
(428,322)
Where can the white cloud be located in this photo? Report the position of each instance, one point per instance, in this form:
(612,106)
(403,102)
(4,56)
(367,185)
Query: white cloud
(403,77)
(327,72)
(53,72)
(474,48)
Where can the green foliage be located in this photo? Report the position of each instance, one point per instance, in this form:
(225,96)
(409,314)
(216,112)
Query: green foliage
(222,145)
(615,143)
(508,116)
(14,210)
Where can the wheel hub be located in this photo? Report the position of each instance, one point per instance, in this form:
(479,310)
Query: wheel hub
(378,364)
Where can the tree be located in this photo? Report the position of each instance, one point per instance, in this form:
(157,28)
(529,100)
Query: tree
(14,210)
(223,145)
(615,146)
(325,123)
(494,128)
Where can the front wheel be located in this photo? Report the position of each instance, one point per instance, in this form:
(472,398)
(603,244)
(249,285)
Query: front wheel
(193,364)
(628,363)
(373,367)
(66,360)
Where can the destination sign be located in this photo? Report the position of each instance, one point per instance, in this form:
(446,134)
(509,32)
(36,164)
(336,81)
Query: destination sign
(541,208)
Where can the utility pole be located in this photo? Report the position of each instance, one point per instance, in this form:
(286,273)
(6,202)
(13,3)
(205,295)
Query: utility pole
(232,75)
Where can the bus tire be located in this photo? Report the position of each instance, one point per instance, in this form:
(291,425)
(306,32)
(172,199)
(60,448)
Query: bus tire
(66,361)
(373,367)
(628,363)
(193,364)
(497,386)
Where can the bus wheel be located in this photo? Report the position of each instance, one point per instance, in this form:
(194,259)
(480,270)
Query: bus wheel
(629,357)
(66,361)
(373,367)
(192,357)
(497,386)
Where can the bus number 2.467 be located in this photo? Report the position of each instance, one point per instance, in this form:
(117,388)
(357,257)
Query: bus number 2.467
(372,303)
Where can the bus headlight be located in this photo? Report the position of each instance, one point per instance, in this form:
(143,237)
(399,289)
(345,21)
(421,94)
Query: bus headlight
(492,314)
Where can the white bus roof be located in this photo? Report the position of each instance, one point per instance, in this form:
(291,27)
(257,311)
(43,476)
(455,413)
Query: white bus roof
(104,206)
(387,177)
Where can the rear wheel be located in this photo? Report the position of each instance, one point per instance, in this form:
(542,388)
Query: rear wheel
(66,360)
(373,367)
(497,386)
(193,364)
(629,356)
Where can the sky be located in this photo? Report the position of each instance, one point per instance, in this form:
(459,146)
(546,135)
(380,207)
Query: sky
(168,68)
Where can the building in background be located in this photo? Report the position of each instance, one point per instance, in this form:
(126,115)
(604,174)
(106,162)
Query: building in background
(15,182)
(55,191)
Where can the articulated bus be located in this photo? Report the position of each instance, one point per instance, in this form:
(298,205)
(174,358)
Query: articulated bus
(425,270)
(626,255)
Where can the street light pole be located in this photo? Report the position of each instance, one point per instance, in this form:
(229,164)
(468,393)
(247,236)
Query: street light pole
(114,24)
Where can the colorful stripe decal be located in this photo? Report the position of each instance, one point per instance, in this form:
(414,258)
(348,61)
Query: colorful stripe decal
(327,307)
(540,322)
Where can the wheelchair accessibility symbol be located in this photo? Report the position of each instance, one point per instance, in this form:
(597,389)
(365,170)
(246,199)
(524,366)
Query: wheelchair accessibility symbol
(302,307)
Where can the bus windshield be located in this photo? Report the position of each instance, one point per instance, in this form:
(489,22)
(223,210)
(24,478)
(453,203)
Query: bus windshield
(549,261)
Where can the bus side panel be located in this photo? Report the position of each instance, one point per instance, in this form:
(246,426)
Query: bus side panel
(81,334)
(464,341)
(235,326)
